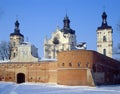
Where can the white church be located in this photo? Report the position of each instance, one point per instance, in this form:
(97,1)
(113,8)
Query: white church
(61,40)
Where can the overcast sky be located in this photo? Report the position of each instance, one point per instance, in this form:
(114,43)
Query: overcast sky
(39,18)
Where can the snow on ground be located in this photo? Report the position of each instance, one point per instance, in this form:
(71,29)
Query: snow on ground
(43,88)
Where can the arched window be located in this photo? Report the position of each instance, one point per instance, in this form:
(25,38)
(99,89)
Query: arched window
(104,38)
(104,51)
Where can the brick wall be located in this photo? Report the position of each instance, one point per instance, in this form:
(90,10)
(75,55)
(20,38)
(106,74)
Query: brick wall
(73,67)
(76,67)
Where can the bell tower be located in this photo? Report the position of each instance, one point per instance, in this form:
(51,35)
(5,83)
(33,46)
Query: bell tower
(104,37)
(16,38)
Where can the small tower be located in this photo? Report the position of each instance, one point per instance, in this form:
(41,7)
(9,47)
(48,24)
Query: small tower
(104,37)
(16,38)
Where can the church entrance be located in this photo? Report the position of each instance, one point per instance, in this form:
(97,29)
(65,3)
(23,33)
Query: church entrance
(20,78)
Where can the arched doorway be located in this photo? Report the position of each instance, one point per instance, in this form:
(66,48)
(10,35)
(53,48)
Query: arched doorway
(20,77)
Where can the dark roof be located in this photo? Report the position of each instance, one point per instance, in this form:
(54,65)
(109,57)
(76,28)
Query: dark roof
(104,27)
(17,34)
(16,30)
(104,24)
(66,28)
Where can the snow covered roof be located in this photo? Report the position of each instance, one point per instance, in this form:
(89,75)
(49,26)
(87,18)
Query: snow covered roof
(46,59)
(4,61)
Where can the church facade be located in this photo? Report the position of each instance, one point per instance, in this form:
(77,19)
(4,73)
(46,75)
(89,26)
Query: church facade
(61,40)
(72,66)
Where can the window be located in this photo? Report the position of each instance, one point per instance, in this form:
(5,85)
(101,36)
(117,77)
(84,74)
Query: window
(63,64)
(104,51)
(70,64)
(110,45)
(104,39)
(10,77)
(72,43)
(2,77)
(87,65)
(55,40)
(79,64)
(14,44)
(49,56)
(57,51)
(13,54)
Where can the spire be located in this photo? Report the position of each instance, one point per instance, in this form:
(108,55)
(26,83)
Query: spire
(104,24)
(17,24)
(66,28)
(16,30)
(104,19)
(66,22)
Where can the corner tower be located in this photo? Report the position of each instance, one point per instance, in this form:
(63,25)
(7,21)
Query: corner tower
(16,38)
(104,37)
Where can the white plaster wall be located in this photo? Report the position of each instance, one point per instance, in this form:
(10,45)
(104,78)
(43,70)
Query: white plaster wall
(108,45)
(24,54)
(65,43)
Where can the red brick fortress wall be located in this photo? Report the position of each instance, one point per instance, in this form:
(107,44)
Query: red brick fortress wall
(74,67)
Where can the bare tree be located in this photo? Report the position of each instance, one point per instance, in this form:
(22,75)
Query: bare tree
(5,50)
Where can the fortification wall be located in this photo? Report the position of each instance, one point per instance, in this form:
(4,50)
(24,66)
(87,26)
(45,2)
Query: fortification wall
(73,67)
(33,72)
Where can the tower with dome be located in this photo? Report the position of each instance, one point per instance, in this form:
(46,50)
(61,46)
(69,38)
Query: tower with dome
(104,37)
